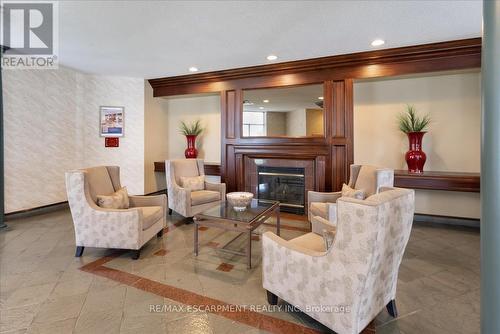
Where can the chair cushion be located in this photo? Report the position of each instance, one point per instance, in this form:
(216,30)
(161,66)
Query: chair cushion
(150,215)
(204,196)
(194,183)
(99,182)
(185,167)
(353,193)
(310,241)
(319,209)
(367,180)
(117,200)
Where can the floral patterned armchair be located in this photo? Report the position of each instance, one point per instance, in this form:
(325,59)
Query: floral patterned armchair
(111,228)
(185,201)
(321,205)
(346,286)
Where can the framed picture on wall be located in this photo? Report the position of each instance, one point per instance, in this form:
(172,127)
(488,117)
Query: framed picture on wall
(111,121)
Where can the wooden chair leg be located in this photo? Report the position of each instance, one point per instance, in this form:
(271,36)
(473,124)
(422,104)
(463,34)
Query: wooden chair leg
(136,254)
(272,299)
(391,308)
(159,234)
(79,251)
(169,212)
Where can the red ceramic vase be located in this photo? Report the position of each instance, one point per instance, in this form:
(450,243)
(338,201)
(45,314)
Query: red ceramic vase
(415,157)
(191,152)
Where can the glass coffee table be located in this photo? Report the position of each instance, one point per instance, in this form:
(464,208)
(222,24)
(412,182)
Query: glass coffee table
(224,217)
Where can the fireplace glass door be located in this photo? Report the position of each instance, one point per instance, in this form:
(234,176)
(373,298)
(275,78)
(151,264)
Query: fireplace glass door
(283,184)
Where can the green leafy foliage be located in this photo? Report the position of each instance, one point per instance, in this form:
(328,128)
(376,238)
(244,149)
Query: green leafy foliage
(409,121)
(194,128)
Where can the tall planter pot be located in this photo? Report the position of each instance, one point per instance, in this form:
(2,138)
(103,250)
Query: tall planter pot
(191,152)
(415,157)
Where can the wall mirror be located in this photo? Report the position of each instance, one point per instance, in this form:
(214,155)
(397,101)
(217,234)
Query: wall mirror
(283,112)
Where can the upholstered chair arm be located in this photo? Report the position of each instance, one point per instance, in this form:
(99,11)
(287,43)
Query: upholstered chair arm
(156,200)
(385,178)
(220,187)
(116,228)
(320,224)
(284,247)
(181,198)
(315,196)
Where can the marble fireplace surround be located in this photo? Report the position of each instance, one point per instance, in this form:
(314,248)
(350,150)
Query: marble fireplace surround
(252,163)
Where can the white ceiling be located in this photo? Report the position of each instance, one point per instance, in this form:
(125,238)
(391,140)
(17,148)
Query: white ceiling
(163,38)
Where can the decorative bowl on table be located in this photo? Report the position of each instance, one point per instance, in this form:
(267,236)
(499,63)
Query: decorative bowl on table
(239,200)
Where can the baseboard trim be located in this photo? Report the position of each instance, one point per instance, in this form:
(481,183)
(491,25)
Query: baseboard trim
(446,220)
(39,210)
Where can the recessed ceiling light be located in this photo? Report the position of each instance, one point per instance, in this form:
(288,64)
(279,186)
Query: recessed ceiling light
(265,101)
(320,97)
(378,42)
(193,69)
(261,108)
(272,57)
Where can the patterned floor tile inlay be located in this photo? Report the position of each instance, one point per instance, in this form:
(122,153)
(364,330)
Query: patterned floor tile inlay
(226,267)
(161,252)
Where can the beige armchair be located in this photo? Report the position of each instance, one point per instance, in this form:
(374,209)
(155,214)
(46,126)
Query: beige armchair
(346,286)
(184,201)
(321,205)
(111,228)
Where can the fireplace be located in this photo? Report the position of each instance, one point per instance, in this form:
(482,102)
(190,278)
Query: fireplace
(283,184)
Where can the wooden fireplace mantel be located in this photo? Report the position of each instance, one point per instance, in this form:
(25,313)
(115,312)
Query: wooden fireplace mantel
(449,181)
(333,153)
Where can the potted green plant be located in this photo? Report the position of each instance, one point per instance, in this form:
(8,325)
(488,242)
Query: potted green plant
(191,131)
(415,127)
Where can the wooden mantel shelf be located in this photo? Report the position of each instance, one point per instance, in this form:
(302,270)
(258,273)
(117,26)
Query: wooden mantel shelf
(211,168)
(450,181)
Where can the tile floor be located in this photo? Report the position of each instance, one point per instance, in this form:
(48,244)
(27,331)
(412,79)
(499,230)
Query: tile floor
(43,289)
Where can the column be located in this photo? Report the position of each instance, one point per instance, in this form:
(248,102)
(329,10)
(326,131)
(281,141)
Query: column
(490,170)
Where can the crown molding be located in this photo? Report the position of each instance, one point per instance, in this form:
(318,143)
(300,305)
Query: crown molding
(465,52)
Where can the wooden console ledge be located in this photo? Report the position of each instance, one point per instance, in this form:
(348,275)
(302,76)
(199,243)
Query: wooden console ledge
(450,181)
(211,168)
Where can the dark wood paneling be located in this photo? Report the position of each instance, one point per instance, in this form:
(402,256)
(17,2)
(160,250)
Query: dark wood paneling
(160,166)
(339,172)
(451,55)
(451,181)
(320,168)
(332,163)
(230,169)
(210,169)
(339,123)
(231,114)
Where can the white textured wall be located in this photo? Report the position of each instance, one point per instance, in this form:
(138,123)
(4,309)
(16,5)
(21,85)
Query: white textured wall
(207,109)
(42,135)
(452,143)
(95,91)
(155,139)
(52,125)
